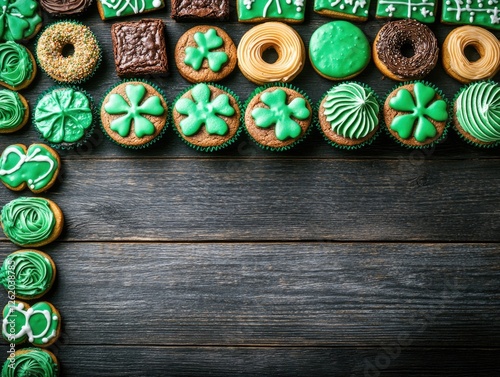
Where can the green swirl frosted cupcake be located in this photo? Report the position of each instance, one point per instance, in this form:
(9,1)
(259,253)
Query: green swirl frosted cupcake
(29,273)
(33,362)
(207,117)
(349,115)
(14,111)
(64,117)
(476,114)
(32,222)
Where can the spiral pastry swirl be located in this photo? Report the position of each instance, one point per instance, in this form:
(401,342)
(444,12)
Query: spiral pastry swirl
(29,272)
(12,110)
(478,111)
(392,39)
(28,221)
(459,66)
(15,64)
(351,110)
(32,362)
(280,37)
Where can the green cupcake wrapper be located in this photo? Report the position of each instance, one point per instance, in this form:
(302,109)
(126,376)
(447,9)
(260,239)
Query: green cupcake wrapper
(88,132)
(446,127)
(462,137)
(260,89)
(217,147)
(350,147)
(76,82)
(163,130)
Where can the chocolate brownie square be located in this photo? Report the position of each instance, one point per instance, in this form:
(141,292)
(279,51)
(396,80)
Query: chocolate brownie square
(187,10)
(139,47)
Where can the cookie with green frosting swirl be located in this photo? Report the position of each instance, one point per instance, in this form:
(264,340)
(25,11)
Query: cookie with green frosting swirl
(14,111)
(32,222)
(17,66)
(28,273)
(33,362)
(349,115)
(477,113)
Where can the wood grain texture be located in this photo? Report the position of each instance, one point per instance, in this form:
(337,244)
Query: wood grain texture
(285,199)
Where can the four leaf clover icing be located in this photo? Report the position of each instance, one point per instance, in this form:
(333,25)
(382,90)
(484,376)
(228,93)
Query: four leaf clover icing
(201,110)
(280,114)
(419,108)
(133,111)
(206,42)
(18,19)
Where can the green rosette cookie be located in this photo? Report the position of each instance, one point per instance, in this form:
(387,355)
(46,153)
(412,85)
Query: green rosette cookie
(416,114)
(28,273)
(207,117)
(64,116)
(278,116)
(476,113)
(349,115)
(31,362)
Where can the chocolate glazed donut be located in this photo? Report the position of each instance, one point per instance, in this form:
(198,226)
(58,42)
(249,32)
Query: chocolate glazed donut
(394,38)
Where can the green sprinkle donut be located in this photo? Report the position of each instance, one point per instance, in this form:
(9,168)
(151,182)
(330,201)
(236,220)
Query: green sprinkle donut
(68,52)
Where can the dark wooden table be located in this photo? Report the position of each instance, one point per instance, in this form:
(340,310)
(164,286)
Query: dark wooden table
(313,262)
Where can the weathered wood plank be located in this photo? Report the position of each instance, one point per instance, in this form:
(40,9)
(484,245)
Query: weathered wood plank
(136,361)
(251,199)
(311,294)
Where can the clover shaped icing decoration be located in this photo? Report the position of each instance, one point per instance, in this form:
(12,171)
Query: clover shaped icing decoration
(203,111)
(38,323)
(205,43)
(420,108)
(280,114)
(134,111)
(18,19)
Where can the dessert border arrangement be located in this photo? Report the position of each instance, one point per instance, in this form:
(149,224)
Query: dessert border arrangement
(208,115)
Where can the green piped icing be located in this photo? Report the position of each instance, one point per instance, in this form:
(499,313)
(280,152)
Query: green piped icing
(478,111)
(36,166)
(249,10)
(38,324)
(203,111)
(351,110)
(339,49)
(280,114)
(16,65)
(420,106)
(12,110)
(32,362)
(357,8)
(134,111)
(206,42)
(423,11)
(121,8)
(27,273)
(63,115)
(28,221)
(484,13)
(18,19)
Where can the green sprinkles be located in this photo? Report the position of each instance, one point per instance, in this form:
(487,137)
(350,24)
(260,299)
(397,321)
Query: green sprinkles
(74,68)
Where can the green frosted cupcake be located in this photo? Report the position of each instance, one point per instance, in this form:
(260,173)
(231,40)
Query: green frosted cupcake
(349,115)
(34,362)
(416,114)
(207,117)
(476,114)
(278,116)
(64,117)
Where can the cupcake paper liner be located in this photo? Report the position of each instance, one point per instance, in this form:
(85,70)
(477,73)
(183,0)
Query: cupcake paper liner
(76,82)
(88,132)
(452,113)
(446,127)
(357,146)
(216,147)
(163,130)
(280,85)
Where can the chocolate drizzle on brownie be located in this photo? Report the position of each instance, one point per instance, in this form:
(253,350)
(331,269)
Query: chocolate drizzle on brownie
(395,36)
(65,7)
